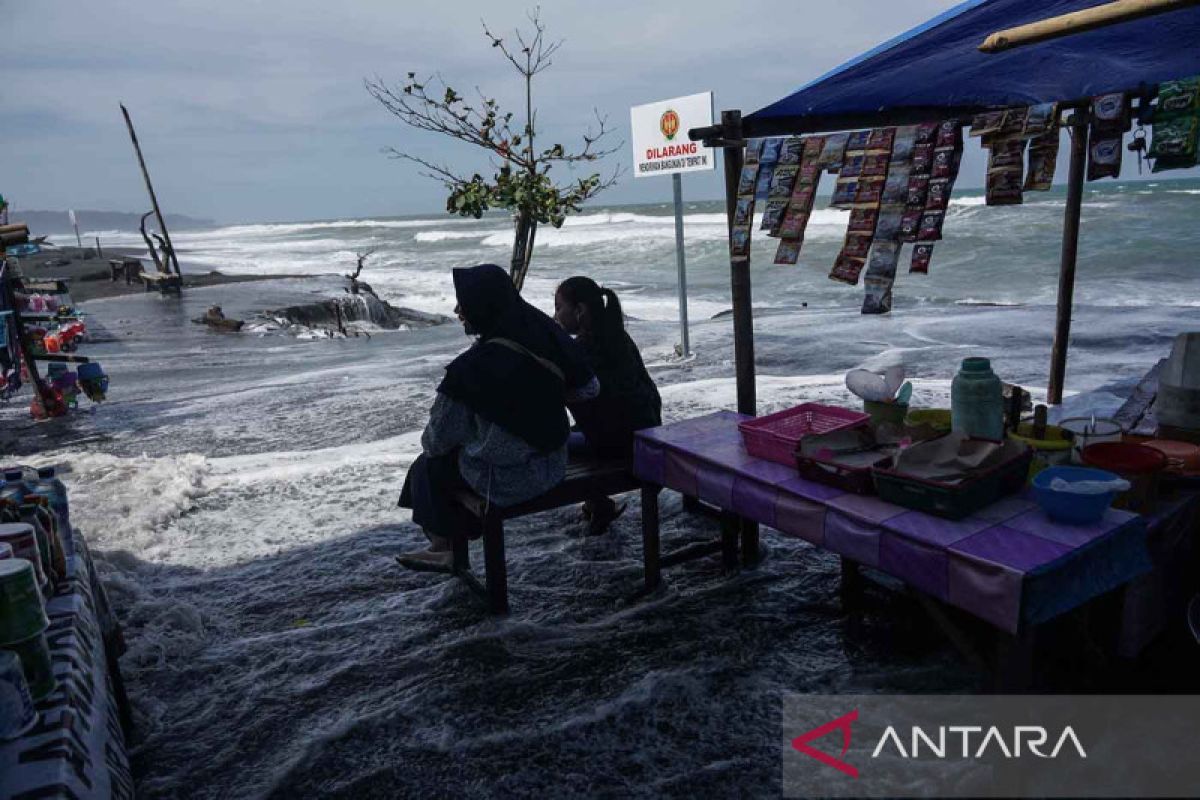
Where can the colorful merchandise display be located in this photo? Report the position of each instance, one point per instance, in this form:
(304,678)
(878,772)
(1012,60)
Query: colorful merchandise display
(1177,125)
(1110,120)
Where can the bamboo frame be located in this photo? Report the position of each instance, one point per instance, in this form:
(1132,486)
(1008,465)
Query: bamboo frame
(1078,22)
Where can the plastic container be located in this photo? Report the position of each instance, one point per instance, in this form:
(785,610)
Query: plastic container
(34,512)
(954,501)
(880,413)
(1182,457)
(22,538)
(1140,465)
(21,611)
(1070,507)
(17,714)
(1053,449)
(977,401)
(49,486)
(776,437)
(1087,431)
(936,418)
(34,653)
(5,551)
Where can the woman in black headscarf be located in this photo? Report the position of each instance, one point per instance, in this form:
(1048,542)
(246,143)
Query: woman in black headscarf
(499,423)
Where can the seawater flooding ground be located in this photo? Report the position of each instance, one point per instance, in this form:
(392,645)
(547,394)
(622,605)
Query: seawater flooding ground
(240,491)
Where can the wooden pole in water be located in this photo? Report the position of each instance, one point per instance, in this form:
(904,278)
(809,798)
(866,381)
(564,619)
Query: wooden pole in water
(162,225)
(1070,249)
(739,271)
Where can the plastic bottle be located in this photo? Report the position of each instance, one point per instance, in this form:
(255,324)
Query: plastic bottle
(55,492)
(977,401)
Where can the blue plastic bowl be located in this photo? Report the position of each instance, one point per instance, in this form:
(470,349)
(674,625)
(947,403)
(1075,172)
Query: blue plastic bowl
(1076,509)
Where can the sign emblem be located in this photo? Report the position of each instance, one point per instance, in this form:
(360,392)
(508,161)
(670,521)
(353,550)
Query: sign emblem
(801,743)
(669,124)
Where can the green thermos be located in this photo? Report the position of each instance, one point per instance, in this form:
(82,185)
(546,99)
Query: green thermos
(977,401)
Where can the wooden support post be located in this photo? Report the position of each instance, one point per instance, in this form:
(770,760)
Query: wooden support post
(493,563)
(739,272)
(1070,249)
(729,541)
(650,541)
(162,225)
(1089,19)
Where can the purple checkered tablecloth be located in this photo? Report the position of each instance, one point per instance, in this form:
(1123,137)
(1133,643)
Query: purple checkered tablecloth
(1007,564)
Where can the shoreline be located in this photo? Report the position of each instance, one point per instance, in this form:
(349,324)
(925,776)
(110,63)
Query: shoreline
(90,278)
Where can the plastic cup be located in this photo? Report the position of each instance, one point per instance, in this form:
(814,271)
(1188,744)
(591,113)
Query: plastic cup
(5,550)
(21,611)
(34,653)
(23,540)
(17,714)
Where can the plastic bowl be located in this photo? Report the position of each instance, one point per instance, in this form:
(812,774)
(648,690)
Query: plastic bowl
(1075,509)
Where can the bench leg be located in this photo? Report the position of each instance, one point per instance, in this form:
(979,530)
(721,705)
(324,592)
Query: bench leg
(729,541)
(494,566)
(462,554)
(650,540)
(749,543)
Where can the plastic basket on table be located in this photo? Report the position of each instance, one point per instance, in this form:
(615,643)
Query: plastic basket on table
(775,437)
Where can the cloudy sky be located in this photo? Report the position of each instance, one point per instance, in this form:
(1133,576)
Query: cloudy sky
(255,109)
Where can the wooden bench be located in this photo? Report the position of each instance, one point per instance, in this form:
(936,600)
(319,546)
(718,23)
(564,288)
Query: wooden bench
(163,281)
(584,480)
(128,268)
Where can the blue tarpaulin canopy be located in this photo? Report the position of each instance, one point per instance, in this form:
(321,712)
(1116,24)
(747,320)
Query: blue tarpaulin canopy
(936,70)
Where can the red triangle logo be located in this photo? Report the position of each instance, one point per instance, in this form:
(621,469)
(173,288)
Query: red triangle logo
(841,723)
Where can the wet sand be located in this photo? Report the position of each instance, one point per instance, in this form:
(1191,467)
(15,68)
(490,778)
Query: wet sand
(90,278)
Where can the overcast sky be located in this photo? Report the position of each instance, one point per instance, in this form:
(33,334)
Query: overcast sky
(255,110)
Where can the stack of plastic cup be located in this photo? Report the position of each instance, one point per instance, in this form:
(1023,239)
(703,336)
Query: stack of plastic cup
(23,625)
(17,714)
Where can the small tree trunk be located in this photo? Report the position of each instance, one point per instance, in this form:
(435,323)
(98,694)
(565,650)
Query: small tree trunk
(528,255)
(522,248)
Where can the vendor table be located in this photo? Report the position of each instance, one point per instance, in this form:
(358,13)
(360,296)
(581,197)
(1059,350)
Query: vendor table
(76,749)
(1006,564)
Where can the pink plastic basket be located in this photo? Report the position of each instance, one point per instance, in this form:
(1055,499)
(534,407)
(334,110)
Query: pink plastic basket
(777,436)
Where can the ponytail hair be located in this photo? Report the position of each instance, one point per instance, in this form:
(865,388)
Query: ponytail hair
(604,307)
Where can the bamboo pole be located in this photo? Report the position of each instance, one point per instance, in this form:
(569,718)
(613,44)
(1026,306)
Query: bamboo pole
(1070,249)
(162,225)
(1079,21)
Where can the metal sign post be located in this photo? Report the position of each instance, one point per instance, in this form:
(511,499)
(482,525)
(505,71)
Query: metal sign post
(684,346)
(658,149)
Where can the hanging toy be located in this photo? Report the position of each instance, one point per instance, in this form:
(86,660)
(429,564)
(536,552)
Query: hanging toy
(93,381)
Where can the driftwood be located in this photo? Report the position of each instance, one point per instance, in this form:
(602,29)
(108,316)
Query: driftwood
(215,318)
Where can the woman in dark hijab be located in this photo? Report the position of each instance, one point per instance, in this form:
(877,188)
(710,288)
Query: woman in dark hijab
(628,400)
(499,423)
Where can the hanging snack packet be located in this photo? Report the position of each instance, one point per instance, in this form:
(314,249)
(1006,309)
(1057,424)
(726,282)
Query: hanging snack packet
(809,175)
(922,159)
(782,182)
(870,192)
(748,180)
(813,146)
(1104,158)
(945,162)
(1040,120)
(1110,113)
(880,277)
(857,141)
(862,220)
(753,151)
(921,256)
(833,152)
(844,192)
(739,243)
(906,138)
(949,134)
(765,175)
(773,215)
(788,252)
(857,245)
(791,150)
(918,191)
(887,225)
(1006,153)
(931,226)
(1043,158)
(1004,187)
(939,194)
(1014,123)
(987,123)
(770,150)
(875,165)
(794,222)
(926,133)
(1175,143)
(1177,125)
(910,223)
(880,140)
(743,212)
(852,165)
(895,188)
(847,269)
